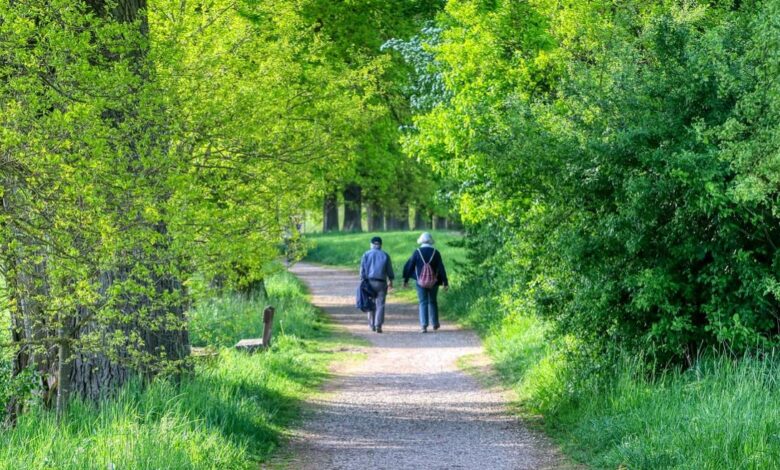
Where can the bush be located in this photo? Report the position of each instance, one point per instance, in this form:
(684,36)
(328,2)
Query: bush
(224,320)
(231,412)
(622,411)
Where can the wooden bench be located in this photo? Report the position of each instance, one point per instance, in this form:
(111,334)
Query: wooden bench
(259,344)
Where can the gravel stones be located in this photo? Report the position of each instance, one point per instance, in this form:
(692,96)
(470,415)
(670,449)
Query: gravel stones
(407,405)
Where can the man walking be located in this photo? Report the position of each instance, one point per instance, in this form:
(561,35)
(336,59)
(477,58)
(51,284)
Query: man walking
(376,267)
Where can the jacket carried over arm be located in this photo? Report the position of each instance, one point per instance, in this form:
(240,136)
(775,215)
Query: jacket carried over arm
(415,264)
(364,297)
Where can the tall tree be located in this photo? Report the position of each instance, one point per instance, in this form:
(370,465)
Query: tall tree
(600,152)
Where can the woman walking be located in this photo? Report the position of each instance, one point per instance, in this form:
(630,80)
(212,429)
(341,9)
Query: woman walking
(426,267)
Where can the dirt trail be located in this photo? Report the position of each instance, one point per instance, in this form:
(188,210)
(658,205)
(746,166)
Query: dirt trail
(408,405)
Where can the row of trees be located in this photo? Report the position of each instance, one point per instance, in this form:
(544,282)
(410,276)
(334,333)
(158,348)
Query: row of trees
(432,213)
(148,147)
(381,178)
(616,161)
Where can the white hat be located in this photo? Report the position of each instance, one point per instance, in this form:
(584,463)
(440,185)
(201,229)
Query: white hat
(425,237)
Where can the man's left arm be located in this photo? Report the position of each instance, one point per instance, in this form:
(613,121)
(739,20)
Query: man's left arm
(390,273)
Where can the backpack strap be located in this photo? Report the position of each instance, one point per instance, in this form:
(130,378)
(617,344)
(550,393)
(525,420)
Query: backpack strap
(423,259)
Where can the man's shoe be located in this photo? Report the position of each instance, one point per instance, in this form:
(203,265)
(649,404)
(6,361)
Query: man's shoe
(436,327)
(373,328)
(378,329)
(424,329)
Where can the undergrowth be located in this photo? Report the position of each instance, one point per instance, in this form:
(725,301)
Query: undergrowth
(609,412)
(231,412)
(621,412)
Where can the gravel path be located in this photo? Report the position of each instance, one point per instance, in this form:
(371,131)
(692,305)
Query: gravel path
(408,405)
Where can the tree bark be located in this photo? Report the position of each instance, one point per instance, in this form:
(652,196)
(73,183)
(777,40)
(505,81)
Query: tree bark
(422,219)
(353,209)
(330,213)
(151,319)
(27,285)
(376,217)
(399,219)
(64,369)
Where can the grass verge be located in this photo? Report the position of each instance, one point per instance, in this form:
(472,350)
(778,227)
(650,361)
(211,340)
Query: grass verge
(232,412)
(346,249)
(720,414)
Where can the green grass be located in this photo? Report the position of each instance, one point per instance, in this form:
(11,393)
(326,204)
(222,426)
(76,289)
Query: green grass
(232,412)
(346,249)
(224,320)
(720,414)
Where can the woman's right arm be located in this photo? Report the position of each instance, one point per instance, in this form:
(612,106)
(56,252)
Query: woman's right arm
(409,268)
(442,272)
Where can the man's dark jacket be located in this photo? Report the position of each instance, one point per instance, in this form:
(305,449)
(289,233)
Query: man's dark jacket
(415,264)
(365,297)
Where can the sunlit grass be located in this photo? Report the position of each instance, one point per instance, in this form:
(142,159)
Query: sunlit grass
(345,249)
(231,412)
(720,414)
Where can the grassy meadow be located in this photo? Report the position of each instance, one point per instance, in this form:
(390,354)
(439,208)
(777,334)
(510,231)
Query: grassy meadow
(346,249)
(232,412)
(722,413)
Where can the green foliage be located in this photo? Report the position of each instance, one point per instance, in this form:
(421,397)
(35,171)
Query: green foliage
(355,32)
(230,413)
(719,413)
(615,163)
(347,249)
(140,149)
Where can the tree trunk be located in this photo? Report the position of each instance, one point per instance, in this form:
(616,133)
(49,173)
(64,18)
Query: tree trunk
(150,325)
(440,223)
(422,219)
(330,213)
(353,210)
(27,285)
(64,369)
(376,217)
(399,219)
(77,353)
(171,340)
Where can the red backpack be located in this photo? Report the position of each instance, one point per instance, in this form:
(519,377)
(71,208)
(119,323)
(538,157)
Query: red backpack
(426,278)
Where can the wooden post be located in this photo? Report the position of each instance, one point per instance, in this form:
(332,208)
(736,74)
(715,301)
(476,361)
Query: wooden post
(268,321)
